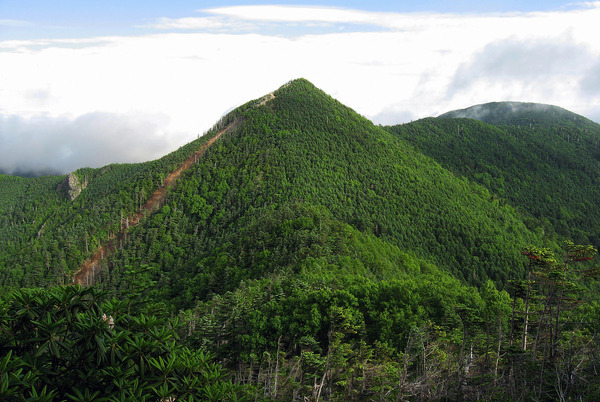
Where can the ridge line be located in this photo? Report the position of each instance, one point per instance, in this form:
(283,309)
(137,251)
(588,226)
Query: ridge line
(91,266)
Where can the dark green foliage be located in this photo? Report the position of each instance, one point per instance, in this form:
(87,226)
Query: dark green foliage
(548,169)
(315,256)
(253,204)
(44,236)
(62,344)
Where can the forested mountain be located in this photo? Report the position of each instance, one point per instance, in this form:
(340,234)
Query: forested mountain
(302,147)
(542,159)
(522,113)
(303,150)
(312,254)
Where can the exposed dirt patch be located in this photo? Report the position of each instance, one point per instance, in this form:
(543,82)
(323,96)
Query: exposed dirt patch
(91,267)
(266,98)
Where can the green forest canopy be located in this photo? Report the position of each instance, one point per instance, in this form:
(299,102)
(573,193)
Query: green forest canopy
(314,254)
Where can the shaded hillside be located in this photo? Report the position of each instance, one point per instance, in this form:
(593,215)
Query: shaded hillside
(303,148)
(86,273)
(550,170)
(46,233)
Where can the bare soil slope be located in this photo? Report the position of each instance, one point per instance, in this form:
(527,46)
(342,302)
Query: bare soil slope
(91,267)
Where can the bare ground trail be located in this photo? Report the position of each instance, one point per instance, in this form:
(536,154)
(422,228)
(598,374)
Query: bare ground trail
(91,267)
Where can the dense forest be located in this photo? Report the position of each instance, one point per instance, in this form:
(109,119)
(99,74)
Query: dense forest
(309,254)
(45,233)
(543,160)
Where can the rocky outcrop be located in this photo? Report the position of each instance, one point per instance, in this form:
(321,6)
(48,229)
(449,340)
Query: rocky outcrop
(71,186)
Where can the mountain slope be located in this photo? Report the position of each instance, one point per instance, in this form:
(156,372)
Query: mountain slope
(549,167)
(46,231)
(295,146)
(299,148)
(85,274)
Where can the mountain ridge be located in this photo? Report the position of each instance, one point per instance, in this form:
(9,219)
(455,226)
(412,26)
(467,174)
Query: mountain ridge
(300,128)
(516,113)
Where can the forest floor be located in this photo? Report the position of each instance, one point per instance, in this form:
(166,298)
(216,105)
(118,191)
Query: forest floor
(91,267)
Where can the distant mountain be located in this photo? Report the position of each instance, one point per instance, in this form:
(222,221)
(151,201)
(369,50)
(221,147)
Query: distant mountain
(30,173)
(540,158)
(518,113)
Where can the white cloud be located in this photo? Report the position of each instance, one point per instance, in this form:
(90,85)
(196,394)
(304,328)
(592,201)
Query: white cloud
(590,83)
(196,23)
(14,23)
(61,144)
(419,65)
(527,64)
(278,13)
(255,18)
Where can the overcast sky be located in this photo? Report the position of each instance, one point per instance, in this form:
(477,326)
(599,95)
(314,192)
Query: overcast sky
(88,83)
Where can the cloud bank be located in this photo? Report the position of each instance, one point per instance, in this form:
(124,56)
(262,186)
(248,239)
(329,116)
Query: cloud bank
(43,145)
(389,67)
